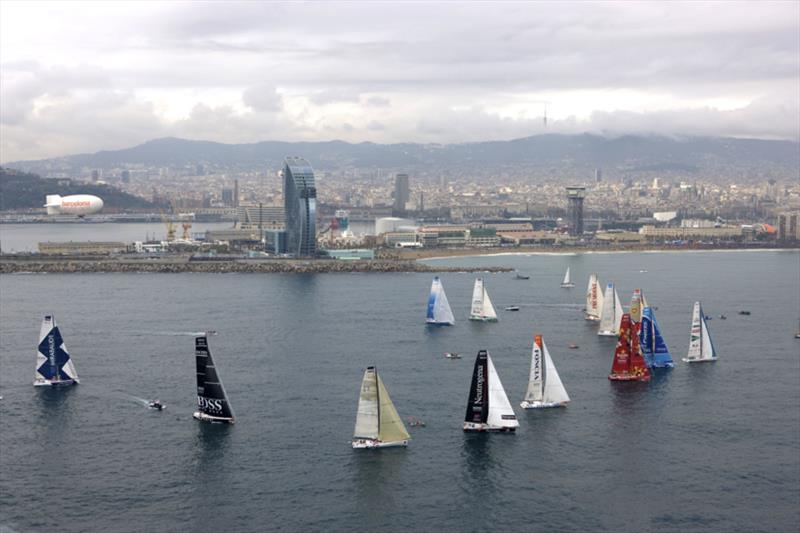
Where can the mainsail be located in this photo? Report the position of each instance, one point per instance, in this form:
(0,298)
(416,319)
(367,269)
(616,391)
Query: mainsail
(655,351)
(53,363)
(377,421)
(628,362)
(488,408)
(594,299)
(439,312)
(612,312)
(212,402)
(636,306)
(701,348)
(482,308)
(544,384)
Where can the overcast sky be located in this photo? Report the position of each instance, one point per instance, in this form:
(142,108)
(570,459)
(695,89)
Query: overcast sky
(82,77)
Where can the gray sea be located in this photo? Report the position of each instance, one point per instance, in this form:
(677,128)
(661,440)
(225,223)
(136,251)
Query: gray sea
(713,447)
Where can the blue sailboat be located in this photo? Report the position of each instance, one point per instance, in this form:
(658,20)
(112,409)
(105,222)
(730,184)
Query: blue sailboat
(439,312)
(656,353)
(53,364)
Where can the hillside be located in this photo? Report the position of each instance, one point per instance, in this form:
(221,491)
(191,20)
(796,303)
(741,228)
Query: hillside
(20,190)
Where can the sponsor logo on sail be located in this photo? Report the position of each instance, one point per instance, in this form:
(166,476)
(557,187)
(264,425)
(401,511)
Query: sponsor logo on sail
(479,387)
(51,346)
(209,404)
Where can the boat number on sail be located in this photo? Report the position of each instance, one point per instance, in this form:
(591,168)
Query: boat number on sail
(211,405)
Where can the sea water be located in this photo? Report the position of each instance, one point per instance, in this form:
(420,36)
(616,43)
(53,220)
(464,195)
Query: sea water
(705,447)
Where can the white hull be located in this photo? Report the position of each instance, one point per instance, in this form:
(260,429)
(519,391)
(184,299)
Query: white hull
(60,383)
(365,444)
(472,426)
(208,418)
(608,333)
(435,323)
(708,360)
(592,318)
(541,405)
(567,285)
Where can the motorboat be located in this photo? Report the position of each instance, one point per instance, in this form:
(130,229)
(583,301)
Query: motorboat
(452,355)
(512,308)
(155,404)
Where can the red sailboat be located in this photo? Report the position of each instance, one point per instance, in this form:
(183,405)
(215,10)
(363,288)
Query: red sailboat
(629,364)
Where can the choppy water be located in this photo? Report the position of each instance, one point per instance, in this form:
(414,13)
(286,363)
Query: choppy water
(711,447)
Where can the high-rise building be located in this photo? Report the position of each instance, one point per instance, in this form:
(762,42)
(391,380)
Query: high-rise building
(235,193)
(598,175)
(787,227)
(126,176)
(401,193)
(95,175)
(575,196)
(300,206)
(227,197)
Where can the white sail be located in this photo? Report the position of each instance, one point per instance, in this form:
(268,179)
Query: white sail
(501,414)
(53,363)
(367,415)
(554,391)
(439,311)
(609,319)
(700,346)
(594,298)
(482,308)
(567,282)
(535,392)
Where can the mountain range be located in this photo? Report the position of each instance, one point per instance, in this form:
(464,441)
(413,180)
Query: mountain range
(629,153)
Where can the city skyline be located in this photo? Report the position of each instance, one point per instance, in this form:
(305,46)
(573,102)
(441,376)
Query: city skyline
(83,77)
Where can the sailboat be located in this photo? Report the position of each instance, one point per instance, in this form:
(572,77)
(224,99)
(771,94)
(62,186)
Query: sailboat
(594,299)
(567,283)
(701,349)
(488,408)
(544,384)
(611,313)
(482,308)
(628,362)
(439,312)
(655,351)
(212,402)
(377,423)
(53,364)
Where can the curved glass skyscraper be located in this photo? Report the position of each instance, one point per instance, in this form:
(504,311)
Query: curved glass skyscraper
(300,205)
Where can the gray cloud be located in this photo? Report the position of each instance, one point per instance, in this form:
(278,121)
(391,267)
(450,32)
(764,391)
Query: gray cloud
(394,72)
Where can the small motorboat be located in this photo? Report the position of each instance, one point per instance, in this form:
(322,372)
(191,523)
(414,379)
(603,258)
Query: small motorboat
(708,317)
(643,272)
(156,404)
(573,346)
(512,308)
(452,355)
(745,313)
(723,317)
(415,422)
(522,276)
(211,333)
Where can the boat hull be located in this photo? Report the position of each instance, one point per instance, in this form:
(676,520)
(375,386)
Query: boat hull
(213,419)
(60,383)
(434,323)
(471,427)
(628,377)
(541,405)
(482,319)
(371,444)
(591,318)
(567,285)
(607,333)
(709,360)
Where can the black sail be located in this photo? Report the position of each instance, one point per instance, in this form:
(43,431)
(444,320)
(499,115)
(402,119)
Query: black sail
(211,397)
(478,404)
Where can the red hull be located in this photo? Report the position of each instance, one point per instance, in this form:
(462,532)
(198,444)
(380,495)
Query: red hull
(628,377)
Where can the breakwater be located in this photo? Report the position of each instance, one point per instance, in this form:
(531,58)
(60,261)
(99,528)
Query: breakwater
(70,265)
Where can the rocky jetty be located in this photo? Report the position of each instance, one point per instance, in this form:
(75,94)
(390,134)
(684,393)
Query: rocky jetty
(70,265)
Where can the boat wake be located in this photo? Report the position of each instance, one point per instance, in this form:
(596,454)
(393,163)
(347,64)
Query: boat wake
(180,333)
